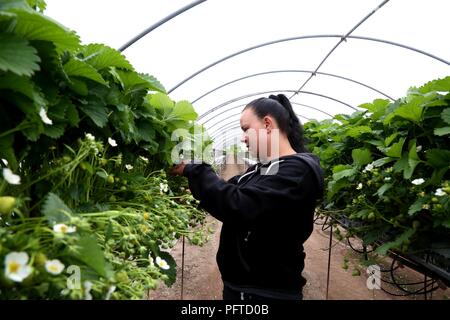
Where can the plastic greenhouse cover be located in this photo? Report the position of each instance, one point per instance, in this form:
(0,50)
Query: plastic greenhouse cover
(216,29)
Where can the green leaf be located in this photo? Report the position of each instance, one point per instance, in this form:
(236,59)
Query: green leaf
(334,187)
(7,151)
(413,160)
(54,131)
(396,243)
(97,113)
(38,4)
(344,174)
(395,151)
(411,111)
(155,85)
(78,68)
(78,86)
(55,210)
(184,111)
(438,158)
(377,107)
(14,4)
(357,131)
(361,156)
(130,79)
(35,26)
(402,164)
(145,130)
(383,189)
(102,174)
(71,113)
(17,56)
(416,206)
(445,115)
(7,22)
(391,138)
(436,85)
(162,101)
(23,85)
(382,161)
(101,56)
(91,254)
(442,131)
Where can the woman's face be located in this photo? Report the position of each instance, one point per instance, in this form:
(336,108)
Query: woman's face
(254,132)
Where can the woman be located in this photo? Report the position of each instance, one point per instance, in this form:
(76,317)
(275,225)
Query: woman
(267,212)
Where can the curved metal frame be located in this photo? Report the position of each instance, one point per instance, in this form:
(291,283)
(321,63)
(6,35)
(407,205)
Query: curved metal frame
(224,127)
(301,38)
(291,71)
(225,139)
(235,107)
(272,91)
(159,23)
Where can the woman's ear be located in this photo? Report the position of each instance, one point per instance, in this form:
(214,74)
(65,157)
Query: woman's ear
(268,124)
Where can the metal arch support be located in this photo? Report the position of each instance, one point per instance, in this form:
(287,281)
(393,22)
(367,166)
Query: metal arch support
(272,91)
(237,113)
(226,125)
(301,38)
(295,103)
(159,23)
(234,107)
(291,71)
(344,38)
(226,139)
(234,114)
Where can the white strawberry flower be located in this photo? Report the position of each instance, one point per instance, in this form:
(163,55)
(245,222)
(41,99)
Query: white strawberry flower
(87,290)
(90,137)
(112,142)
(128,166)
(387,179)
(163,187)
(359,187)
(54,266)
(418,148)
(44,117)
(439,192)
(418,182)
(16,267)
(110,292)
(143,158)
(369,167)
(63,228)
(162,263)
(10,177)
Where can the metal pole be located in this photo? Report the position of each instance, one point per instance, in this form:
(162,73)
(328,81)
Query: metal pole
(159,23)
(182,267)
(329,259)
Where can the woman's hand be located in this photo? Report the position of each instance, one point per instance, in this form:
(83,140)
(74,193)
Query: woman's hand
(177,170)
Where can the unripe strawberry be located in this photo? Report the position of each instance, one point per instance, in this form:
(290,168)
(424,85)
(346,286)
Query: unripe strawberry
(40,259)
(110,179)
(7,203)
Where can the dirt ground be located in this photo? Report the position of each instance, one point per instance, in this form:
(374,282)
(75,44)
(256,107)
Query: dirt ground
(202,281)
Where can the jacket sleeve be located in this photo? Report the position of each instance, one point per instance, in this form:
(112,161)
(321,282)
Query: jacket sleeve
(243,204)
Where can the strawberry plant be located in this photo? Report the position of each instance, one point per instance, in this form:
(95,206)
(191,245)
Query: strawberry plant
(86,208)
(387,168)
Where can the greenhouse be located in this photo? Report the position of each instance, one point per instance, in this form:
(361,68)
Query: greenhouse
(143,156)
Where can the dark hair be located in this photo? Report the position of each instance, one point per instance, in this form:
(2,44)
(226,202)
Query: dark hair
(280,108)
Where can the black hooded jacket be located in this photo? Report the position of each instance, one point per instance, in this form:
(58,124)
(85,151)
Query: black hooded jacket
(267,215)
